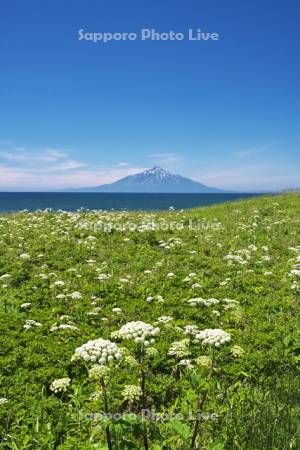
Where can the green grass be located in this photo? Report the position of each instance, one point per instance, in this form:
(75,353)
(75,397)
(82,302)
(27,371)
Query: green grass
(250,387)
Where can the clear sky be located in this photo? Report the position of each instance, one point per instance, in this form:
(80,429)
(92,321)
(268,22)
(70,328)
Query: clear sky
(78,113)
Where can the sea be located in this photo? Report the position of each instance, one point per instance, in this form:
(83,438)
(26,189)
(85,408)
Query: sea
(33,201)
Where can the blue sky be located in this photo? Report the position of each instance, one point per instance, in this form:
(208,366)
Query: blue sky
(78,113)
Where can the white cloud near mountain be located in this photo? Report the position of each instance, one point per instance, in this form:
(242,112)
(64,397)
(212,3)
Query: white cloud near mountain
(165,158)
(22,155)
(27,179)
(249,177)
(52,169)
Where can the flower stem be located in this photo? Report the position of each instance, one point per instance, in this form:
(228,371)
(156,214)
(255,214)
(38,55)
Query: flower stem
(105,401)
(144,407)
(200,403)
(140,356)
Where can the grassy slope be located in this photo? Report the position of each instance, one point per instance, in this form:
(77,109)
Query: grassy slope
(256,396)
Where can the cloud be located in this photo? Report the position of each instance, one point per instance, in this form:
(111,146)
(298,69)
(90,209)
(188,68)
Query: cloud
(18,179)
(247,178)
(251,151)
(165,158)
(47,159)
(68,165)
(24,156)
(24,169)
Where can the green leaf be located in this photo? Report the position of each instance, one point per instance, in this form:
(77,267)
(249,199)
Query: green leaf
(180,428)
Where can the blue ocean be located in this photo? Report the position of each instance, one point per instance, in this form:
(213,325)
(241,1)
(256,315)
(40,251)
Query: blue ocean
(32,201)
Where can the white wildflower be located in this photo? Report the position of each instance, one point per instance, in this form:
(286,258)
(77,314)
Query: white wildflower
(5,276)
(100,351)
(25,305)
(213,337)
(98,372)
(179,348)
(60,385)
(31,323)
(140,332)
(151,352)
(24,256)
(76,295)
(131,393)
(165,319)
(95,396)
(201,301)
(59,283)
(63,326)
(186,363)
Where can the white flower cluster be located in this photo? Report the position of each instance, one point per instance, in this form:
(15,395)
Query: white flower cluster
(31,323)
(295,286)
(125,280)
(191,330)
(294,273)
(94,312)
(140,332)
(59,283)
(210,336)
(25,305)
(229,303)
(100,351)
(60,385)
(63,326)
(225,282)
(187,363)
(213,337)
(131,393)
(252,248)
(95,396)
(239,256)
(202,301)
(179,348)
(151,352)
(24,256)
(3,400)
(158,298)
(130,361)
(165,319)
(172,242)
(103,276)
(98,372)
(5,276)
(190,277)
(75,295)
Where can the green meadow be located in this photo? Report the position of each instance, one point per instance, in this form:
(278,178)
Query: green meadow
(167,330)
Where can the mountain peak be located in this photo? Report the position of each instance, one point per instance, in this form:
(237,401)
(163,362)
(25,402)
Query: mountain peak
(154,180)
(156,171)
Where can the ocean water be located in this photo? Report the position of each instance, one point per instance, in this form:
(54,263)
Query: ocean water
(15,201)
